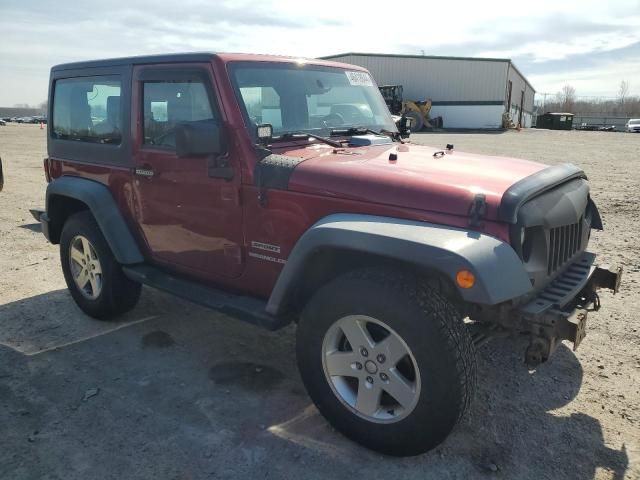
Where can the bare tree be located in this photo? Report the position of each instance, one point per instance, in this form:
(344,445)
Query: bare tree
(567,98)
(623,92)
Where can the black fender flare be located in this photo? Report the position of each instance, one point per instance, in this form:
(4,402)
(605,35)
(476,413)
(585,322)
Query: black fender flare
(104,209)
(499,273)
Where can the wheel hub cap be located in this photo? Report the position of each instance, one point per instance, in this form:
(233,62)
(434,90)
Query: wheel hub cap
(85,267)
(371,369)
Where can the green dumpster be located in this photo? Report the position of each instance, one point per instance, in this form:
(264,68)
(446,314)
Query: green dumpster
(555,121)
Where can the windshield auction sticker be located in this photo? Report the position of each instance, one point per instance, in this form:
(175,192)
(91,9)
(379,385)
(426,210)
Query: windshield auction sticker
(359,79)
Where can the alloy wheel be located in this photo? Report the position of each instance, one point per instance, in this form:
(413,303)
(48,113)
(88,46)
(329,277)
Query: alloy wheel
(371,369)
(85,267)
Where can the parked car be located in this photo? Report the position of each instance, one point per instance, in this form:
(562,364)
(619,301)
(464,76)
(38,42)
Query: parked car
(633,125)
(2,123)
(596,128)
(277,190)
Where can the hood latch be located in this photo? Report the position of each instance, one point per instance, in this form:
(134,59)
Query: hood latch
(477,210)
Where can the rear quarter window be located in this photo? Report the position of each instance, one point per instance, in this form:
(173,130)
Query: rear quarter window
(88,109)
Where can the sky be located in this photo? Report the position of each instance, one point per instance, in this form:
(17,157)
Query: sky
(591,45)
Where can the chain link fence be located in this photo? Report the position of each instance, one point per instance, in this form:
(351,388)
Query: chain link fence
(602,120)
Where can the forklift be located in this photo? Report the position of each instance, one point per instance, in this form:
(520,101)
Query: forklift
(416,110)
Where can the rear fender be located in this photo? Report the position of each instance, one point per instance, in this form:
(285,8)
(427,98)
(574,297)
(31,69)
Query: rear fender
(104,208)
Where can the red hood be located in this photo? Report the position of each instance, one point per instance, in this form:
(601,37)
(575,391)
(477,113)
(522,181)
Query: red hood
(416,180)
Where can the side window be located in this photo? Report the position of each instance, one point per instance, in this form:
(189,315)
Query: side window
(87,109)
(167,104)
(263,105)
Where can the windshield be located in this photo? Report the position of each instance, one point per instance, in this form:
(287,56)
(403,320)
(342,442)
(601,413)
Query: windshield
(308,98)
(634,121)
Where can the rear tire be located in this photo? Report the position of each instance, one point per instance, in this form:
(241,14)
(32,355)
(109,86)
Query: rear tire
(437,374)
(94,278)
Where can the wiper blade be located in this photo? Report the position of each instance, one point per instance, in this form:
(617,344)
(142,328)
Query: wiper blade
(360,131)
(351,131)
(326,140)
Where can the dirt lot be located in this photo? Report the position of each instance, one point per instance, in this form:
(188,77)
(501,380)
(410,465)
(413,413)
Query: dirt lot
(175,391)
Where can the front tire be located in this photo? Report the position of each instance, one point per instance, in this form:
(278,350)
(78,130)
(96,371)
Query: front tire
(387,360)
(94,277)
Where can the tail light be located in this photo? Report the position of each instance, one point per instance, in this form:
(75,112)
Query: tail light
(47,174)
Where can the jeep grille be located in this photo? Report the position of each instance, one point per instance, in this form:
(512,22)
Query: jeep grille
(564,243)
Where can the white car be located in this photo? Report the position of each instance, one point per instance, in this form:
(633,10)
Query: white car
(633,125)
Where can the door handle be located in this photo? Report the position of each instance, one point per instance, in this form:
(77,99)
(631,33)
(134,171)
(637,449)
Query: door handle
(144,171)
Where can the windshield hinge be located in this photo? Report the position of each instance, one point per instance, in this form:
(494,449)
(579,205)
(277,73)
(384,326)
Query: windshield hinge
(478,210)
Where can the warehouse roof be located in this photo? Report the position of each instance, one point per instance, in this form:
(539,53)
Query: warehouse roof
(433,57)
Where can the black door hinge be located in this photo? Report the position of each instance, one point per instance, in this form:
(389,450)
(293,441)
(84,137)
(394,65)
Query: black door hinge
(262,197)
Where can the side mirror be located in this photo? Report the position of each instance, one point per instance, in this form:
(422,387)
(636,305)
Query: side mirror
(199,139)
(204,139)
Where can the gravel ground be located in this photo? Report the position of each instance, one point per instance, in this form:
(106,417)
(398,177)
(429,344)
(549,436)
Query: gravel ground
(175,391)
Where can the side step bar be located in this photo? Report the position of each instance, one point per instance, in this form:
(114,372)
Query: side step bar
(242,307)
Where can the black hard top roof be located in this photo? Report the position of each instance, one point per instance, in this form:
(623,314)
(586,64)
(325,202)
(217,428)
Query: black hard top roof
(194,57)
(162,58)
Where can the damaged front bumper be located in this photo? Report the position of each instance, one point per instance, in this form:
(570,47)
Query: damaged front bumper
(556,313)
(559,312)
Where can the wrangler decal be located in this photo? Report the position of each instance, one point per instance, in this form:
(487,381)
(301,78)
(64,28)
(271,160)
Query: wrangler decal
(267,258)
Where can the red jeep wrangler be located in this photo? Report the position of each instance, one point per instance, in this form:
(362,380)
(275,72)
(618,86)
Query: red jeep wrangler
(280,190)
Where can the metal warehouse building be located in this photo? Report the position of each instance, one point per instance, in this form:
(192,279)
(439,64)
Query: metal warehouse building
(466,92)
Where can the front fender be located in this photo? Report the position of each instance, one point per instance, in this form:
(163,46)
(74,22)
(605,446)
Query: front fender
(499,272)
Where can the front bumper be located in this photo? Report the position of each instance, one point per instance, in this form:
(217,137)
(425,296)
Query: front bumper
(559,312)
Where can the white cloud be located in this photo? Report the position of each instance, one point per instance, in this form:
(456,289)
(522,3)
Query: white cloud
(36,36)
(598,82)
